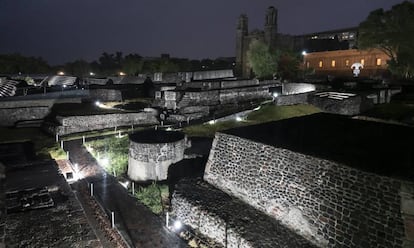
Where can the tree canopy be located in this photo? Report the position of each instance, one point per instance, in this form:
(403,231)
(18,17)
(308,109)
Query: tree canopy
(263,61)
(392,32)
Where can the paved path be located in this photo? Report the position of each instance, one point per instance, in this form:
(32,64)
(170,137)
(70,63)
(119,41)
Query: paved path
(139,226)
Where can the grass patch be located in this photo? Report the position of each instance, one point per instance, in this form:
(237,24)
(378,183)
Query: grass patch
(111,153)
(153,196)
(45,146)
(264,114)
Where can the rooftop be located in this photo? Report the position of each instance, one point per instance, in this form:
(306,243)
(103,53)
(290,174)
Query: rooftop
(384,149)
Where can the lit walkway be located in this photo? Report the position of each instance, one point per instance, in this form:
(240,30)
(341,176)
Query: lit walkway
(139,226)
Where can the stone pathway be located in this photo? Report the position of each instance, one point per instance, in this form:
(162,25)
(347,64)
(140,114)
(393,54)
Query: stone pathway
(137,224)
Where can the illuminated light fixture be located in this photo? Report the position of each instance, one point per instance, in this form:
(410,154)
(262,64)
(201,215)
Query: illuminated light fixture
(177,225)
(238,118)
(104,162)
(124,184)
(91,74)
(275,94)
(122,73)
(98,103)
(212,122)
(61,73)
(304,53)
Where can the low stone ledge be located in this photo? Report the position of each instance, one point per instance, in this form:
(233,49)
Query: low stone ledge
(228,220)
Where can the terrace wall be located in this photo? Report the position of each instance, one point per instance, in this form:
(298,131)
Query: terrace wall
(76,124)
(330,204)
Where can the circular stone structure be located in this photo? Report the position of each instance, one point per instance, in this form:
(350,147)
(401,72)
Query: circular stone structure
(151,152)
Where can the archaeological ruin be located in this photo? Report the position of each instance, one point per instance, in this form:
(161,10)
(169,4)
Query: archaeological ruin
(151,152)
(331,180)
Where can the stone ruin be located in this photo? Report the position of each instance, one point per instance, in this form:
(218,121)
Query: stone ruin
(332,180)
(151,152)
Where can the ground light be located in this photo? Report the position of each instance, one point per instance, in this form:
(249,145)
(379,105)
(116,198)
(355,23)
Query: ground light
(177,225)
(104,162)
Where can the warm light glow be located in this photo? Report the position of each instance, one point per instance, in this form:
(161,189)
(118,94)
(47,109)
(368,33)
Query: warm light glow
(362,61)
(122,73)
(379,61)
(320,63)
(304,53)
(333,63)
(61,73)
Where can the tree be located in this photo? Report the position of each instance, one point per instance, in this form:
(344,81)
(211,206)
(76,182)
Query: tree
(132,64)
(16,63)
(263,61)
(79,68)
(392,32)
(288,65)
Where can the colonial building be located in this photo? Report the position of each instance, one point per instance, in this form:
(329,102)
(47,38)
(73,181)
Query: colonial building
(329,53)
(339,63)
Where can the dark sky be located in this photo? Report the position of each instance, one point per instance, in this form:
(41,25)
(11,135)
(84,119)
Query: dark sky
(65,30)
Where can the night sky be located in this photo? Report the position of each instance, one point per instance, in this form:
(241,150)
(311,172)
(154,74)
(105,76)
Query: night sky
(65,30)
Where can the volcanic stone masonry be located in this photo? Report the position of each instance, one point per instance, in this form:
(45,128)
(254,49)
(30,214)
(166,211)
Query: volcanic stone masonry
(151,152)
(330,204)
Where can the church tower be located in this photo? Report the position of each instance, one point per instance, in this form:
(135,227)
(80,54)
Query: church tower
(241,46)
(270,28)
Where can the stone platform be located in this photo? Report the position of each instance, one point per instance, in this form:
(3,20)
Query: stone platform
(228,220)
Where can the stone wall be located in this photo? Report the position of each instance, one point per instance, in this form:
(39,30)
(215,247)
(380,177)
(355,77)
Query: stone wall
(10,116)
(350,106)
(76,124)
(244,94)
(105,95)
(227,220)
(330,204)
(216,74)
(283,100)
(150,161)
(297,88)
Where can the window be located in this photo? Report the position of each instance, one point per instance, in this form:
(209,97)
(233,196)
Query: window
(333,63)
(347,62)
(363,61)
(378,61)
(320,64)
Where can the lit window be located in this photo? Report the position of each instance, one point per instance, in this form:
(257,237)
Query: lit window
(333,63)
(379,61)
(307,64)
(363,61)
(347,62)
(320,63)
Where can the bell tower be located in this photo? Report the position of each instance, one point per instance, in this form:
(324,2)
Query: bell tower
(241,45)
(270,27)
